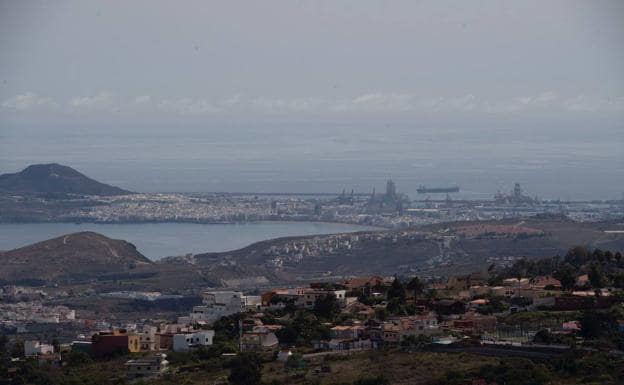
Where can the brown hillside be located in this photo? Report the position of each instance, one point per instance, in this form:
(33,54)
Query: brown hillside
(75,256)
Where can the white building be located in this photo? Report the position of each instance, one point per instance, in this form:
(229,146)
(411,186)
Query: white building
(185,342)
(253,302)
(35,348)
(217,304)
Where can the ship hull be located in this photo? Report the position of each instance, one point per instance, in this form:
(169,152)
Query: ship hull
(437,190)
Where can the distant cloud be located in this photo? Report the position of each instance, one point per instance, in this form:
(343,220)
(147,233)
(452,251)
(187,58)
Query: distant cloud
(585,103)
(188,106)
(142,100)
(377,101)
(370,103)
(28,101)
(101,101)
(281,106)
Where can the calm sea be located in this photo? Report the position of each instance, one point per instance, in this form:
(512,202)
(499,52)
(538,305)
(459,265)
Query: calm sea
(551,159)
(157,240)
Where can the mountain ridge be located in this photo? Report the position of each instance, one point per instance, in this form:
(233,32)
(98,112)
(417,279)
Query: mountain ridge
(425,250)
(54,178)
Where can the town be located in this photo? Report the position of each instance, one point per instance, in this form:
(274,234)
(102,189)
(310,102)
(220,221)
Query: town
(550,309)
(389,209)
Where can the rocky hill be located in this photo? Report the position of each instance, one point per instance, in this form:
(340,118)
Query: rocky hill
(54,178)
(72,257)
(451,248)
(443,249)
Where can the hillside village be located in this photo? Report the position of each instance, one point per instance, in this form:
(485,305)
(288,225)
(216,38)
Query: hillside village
(533,309)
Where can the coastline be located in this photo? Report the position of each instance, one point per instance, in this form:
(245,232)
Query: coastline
(186,221)
(157,240)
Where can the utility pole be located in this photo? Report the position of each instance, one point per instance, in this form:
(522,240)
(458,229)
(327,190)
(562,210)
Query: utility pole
(240,335)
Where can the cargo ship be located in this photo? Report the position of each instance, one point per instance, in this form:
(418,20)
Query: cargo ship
(437,190)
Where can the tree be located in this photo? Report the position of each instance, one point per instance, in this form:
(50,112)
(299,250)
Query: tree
(595,324)
(577,256)
(618,280)
(295,361)
(381,313)
(18,349)
(56,344)
(326,306)
(416,286)
(431,294)
(543,337)
(246,369)
(73,359)
(396,290)
(596,279)
(287,335)
(394,306)
(4,341)
(309,328)
(567,276)
(416,341)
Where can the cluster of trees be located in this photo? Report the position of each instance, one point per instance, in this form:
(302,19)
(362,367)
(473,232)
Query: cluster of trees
(78,369)
(603,326)
(304,328)
(245,369)
(395,295)
(604,268)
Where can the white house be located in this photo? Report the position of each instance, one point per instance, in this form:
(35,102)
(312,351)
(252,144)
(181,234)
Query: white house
(217,304)
(186,342)
(252,301)
(35,348)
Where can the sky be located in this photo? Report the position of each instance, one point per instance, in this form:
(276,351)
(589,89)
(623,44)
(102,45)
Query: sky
(249,79)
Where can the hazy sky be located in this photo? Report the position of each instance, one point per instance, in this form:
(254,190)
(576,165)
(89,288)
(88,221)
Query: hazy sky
(309,58)
(165,80)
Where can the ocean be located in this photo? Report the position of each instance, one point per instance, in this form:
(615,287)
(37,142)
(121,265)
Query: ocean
(551,159)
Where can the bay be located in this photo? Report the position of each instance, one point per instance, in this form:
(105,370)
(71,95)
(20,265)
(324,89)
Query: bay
(158,240)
